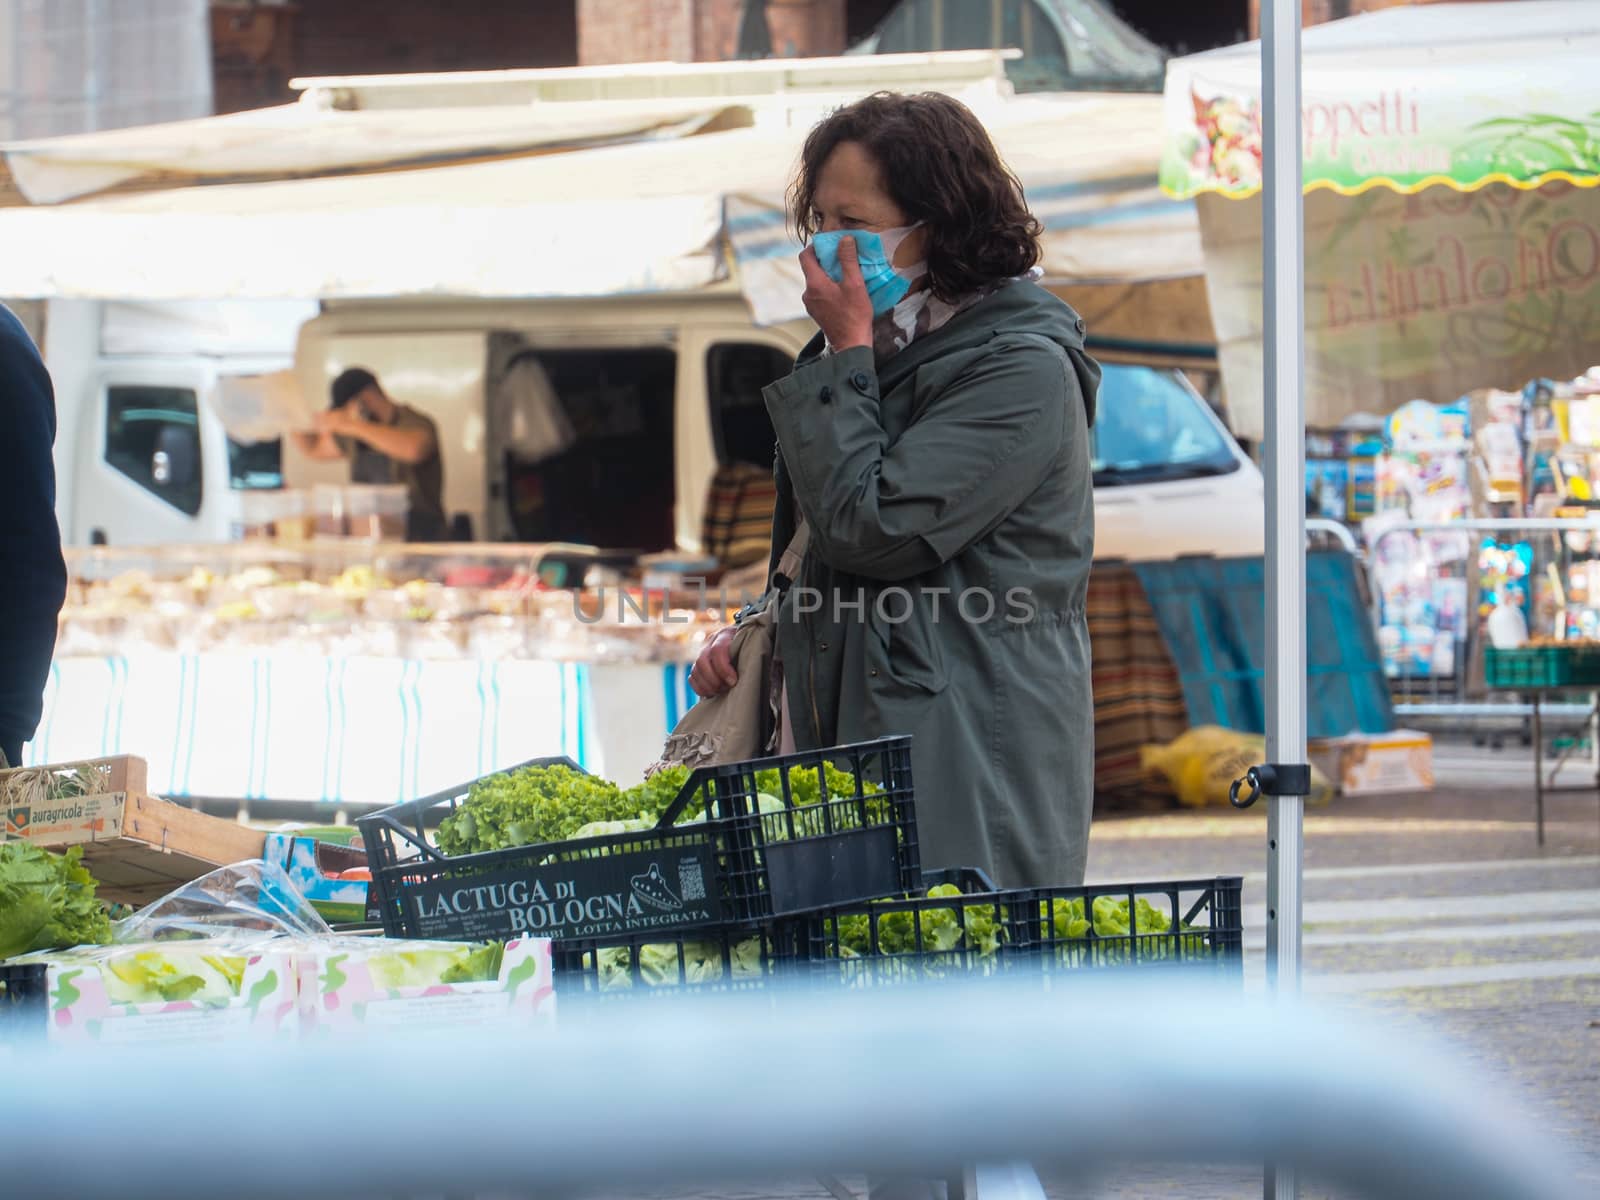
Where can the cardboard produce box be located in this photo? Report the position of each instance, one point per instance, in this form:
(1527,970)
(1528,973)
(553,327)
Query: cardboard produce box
(79,1006)
(329,868)
(139,847)
(1371,764)
(342,991)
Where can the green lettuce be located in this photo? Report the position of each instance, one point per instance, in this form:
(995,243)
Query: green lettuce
(937,935)
(1070,924)
(47,901)
(428,966)
(659,963)
(147,976)
(537,805)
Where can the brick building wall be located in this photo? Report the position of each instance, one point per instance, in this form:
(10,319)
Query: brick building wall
(716,30)
(624,31)
(1315,12)
(257,47)
(806,28)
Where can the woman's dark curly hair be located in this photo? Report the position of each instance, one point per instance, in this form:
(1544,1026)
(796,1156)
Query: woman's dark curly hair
(940,167)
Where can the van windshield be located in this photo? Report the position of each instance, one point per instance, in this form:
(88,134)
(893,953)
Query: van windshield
(1149,427)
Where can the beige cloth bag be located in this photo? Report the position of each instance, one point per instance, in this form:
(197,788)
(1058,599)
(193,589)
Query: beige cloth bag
(727,728)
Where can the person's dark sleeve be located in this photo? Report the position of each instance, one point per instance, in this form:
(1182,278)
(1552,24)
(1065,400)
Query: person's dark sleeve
(892,511)
(33,576)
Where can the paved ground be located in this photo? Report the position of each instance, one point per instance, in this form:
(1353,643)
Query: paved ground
(1438,910)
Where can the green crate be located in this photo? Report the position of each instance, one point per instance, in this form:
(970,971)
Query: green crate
(1530,668)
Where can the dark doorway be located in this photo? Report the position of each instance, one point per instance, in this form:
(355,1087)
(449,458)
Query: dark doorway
(1188,28)
(614,486)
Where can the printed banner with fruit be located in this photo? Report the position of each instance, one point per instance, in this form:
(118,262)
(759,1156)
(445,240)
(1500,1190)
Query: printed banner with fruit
(1436,122)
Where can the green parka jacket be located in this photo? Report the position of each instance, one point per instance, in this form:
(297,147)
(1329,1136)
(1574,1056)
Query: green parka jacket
(950,499)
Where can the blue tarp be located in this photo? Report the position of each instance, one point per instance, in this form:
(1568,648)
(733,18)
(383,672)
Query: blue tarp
(1212,614)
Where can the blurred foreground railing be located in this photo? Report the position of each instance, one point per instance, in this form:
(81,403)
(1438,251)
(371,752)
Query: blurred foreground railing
(912,1081)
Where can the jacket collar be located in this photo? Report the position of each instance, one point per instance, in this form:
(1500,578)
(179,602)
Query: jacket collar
(1006,307)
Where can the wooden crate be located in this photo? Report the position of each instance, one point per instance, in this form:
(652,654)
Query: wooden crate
(138,846)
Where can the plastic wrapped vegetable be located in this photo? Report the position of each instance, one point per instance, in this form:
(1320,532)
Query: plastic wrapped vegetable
(424,965)
(249,900)
(144,976)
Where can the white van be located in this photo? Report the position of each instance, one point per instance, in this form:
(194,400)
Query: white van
(660,390)
(142,457)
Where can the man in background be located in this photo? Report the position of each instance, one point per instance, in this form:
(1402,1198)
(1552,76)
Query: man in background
(33,575)
(386,443)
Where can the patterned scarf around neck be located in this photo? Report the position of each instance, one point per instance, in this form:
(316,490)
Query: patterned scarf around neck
(919,312)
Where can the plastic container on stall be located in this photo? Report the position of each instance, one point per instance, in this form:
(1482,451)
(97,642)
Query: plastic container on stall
(376,512)
(280,515)
(328,510)
(294,524)
(257,516)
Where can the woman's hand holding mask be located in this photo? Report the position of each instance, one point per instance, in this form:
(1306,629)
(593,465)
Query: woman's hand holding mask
(843,310)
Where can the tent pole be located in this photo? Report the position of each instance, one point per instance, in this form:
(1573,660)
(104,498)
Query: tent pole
(1284,362)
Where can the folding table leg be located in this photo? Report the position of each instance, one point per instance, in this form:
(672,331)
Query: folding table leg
(1538,765)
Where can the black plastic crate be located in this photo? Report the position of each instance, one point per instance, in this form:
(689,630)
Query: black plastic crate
(914,936)
(1186,923)
(735,865)
(24,1000)
(727,958)
(724,958)
(989,931)
(983,931)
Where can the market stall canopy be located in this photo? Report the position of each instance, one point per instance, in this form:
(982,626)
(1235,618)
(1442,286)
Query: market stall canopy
(1452,216)
(380,123)
(641,217)
(299,140)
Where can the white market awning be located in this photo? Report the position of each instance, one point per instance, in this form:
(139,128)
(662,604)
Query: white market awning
(373,123)
(625,220)
(299,140)
(641,217)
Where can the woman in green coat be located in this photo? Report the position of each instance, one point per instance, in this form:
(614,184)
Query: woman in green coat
(934,437)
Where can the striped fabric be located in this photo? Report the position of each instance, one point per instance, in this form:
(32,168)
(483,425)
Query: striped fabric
(1138,697)
(737,528)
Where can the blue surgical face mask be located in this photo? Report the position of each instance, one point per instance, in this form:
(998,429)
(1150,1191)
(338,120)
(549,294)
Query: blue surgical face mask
(875,253)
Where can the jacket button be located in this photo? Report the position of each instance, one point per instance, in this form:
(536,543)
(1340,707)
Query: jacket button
(822,645)
(1081,326)
(826,394)
(861,381)
(873,672)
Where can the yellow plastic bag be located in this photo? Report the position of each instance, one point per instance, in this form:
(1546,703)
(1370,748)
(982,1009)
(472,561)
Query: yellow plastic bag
(1202,764)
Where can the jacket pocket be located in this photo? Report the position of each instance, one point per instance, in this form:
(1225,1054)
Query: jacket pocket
(910,657)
